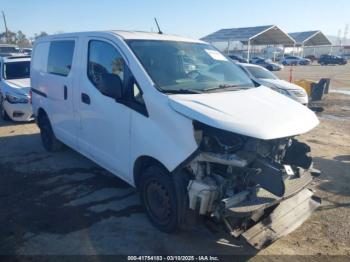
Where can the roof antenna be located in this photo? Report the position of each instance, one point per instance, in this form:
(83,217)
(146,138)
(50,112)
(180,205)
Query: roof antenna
(159,31)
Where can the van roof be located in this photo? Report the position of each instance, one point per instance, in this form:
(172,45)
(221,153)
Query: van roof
(128,35)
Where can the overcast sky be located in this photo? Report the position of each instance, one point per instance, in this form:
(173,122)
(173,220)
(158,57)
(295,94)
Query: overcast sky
(193,18)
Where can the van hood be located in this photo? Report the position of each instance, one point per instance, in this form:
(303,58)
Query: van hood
(19,85)
(279,83)
(256,112)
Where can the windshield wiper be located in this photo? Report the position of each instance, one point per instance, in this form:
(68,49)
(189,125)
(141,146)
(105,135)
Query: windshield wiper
(221,87)
(181,91)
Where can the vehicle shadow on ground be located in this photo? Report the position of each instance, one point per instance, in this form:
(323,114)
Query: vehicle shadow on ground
(334,180)
(61,194)
(14,123)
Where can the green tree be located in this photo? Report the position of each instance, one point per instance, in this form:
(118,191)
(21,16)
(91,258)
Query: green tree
(43,33)
(21,39)
(9,38)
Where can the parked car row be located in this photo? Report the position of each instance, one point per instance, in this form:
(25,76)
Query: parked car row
(226,145)
(332,60)
(290,60)
(295,60)
(268,64)
(10,50)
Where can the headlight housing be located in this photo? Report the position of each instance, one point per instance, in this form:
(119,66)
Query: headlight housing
(16,98)
(298,93)
(280,90)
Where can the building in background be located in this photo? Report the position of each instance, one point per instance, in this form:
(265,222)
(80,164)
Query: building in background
(267,41)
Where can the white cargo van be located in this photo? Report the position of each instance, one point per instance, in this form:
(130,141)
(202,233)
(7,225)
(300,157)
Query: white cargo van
(178,120)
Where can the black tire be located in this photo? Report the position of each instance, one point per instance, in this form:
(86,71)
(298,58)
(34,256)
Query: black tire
(48,138)
(270,68)
(164,198)
(3,112)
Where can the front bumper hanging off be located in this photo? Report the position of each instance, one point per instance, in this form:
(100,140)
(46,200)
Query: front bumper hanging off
(285,218)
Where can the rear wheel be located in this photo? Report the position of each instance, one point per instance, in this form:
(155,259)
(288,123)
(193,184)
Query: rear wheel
(48,138)
(164,197)
(3,112)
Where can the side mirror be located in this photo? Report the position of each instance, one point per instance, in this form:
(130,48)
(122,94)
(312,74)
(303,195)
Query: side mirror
(111,85)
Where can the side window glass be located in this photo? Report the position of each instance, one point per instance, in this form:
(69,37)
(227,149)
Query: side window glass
(104,61)
(137,94)
(60,57)
(40,56)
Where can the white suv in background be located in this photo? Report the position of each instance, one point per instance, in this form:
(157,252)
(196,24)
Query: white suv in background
(15,88)
(264,77)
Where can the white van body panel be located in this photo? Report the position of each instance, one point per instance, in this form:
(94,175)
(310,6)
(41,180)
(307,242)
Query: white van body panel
(119,134)
(256,112)
(166,142)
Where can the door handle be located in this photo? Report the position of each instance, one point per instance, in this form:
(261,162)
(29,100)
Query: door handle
(85,98)
(65,92)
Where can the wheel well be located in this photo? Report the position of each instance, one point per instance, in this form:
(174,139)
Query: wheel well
(41,114)
(140,164)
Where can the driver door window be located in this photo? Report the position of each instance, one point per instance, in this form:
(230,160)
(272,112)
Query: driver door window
(103,60)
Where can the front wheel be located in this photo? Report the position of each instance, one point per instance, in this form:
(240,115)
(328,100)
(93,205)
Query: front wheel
(164,198)
(48,138)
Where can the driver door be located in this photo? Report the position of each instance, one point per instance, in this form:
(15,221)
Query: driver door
(104,123)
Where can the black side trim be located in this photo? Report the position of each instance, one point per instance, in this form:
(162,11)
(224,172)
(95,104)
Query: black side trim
(38,92)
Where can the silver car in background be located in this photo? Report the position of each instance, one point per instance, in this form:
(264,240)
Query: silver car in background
(264,77)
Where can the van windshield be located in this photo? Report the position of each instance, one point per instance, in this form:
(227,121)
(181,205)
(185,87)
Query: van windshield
(16,70)
(181,67)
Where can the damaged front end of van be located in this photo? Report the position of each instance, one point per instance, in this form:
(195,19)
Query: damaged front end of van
(257,188)
(256,182)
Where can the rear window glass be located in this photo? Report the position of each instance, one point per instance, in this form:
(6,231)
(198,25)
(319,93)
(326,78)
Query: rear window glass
(260,73)
(16,70)
(60,57)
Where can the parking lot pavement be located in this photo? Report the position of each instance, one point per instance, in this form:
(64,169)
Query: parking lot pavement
(62,203)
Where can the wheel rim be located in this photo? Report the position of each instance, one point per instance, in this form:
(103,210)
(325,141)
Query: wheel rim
(157,202)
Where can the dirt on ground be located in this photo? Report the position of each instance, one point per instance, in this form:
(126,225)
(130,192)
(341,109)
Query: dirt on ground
(339,75)
(63,204)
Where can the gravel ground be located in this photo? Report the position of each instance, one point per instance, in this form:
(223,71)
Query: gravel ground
(63,204)
(339,75)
